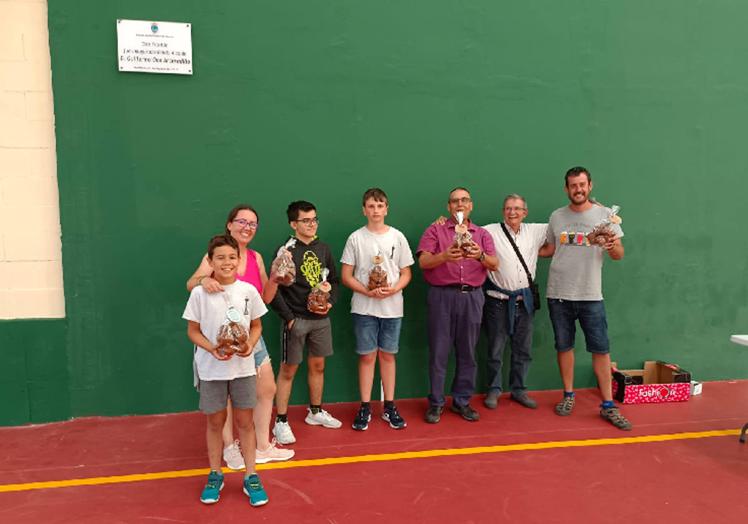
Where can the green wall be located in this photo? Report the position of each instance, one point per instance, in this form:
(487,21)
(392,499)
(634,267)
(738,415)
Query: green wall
(321,100)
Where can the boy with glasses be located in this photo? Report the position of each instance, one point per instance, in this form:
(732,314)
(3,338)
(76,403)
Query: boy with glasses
(302,325)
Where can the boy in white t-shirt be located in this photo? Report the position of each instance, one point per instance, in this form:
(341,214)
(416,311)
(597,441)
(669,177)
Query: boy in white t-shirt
(377,304)
(223,375)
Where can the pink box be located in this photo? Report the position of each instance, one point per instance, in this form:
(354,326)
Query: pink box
(657,382)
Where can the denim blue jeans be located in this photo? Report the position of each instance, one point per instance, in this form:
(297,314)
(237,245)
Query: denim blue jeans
(592,320)
(496,326)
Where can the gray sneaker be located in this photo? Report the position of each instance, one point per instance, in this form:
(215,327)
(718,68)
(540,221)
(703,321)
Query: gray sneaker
(565,407)
(523,399)
(613,415)
(492,399)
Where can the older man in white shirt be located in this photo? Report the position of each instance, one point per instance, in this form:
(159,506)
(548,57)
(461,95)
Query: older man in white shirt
(509,310)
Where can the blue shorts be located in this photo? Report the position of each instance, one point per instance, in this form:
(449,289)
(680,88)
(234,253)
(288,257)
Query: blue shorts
(591,316)
(261,353)
(374,333)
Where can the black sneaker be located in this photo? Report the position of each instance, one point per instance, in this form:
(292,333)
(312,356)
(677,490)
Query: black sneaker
(361,422)
(393,417)
(433,414)
(466,412)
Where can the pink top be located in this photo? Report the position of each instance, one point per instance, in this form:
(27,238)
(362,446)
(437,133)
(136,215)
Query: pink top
(467,271)
(252,271)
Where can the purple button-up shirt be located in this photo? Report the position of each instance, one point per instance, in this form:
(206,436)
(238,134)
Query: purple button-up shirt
(468,271)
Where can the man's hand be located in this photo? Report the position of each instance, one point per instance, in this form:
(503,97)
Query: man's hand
(452,254)
(474,251)
(290,324)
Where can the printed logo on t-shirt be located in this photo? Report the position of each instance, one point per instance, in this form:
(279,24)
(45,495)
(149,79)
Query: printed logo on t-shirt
(573,238)
(311,268)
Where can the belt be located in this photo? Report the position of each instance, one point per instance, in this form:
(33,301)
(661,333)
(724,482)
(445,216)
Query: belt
(461,288)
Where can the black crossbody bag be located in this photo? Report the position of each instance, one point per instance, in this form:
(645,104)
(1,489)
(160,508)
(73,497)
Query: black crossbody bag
(533,285)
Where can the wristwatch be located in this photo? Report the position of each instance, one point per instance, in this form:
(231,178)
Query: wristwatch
(482,256)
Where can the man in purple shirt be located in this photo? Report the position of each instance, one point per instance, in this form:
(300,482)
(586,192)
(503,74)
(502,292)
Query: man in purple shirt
(455,301)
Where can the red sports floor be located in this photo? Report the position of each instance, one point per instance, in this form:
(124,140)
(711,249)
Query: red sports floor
(682,462)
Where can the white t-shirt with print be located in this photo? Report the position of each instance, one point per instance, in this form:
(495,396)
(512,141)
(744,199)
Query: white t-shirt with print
(360,249)
(209,310)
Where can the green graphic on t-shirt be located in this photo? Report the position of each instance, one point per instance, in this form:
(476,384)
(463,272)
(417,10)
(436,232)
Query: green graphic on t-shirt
(311,268)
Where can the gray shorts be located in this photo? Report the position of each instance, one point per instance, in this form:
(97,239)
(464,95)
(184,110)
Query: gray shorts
(316,334)
(214,394)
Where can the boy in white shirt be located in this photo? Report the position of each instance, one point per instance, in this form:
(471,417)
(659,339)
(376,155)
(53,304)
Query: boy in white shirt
(377,312)
(225,375)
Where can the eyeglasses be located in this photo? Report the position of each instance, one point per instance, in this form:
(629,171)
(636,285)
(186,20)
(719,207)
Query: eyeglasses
(308,221)
(245,223)
(515,209)
(463,200)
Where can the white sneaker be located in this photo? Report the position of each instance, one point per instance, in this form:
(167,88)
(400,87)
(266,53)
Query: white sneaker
(282,432)
(273,453)
(232,454)
(322,418)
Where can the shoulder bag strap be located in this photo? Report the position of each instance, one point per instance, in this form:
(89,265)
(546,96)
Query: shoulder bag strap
(516,250)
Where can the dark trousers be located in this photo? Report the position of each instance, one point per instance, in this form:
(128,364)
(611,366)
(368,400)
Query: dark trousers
(454,322)
(496,324)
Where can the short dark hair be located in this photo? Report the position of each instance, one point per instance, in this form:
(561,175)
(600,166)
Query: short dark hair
(576,171)
(222,240)
(235,211)
(458,188)
(377,194)
(299,205)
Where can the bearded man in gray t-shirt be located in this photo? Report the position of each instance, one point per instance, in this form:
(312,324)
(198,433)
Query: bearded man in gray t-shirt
(575,289)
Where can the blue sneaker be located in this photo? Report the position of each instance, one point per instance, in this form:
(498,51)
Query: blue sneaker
(212,490)
(254,490)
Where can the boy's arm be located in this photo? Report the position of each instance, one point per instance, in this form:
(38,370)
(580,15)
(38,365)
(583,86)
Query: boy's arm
(269,290)
(404,280)
(196,336)
(351,282)
(255,331)
(278,304)
(332,276)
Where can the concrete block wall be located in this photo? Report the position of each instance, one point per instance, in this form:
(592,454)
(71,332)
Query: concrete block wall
(30,248)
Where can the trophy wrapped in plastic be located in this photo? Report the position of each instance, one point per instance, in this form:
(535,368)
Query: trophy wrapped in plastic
(377,275)
(463,238)
(319,296)
(283,267)
(603,232)
(232,335)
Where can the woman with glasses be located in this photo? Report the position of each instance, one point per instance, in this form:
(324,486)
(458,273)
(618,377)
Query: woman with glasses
(242,224)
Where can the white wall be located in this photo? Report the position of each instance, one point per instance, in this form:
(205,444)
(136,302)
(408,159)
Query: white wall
(30,249)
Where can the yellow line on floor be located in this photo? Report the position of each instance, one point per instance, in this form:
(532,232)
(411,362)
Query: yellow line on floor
(406,455)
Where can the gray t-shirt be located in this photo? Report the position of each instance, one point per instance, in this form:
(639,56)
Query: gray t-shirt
(576,268)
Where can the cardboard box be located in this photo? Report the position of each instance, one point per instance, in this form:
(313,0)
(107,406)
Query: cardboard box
(657,382)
